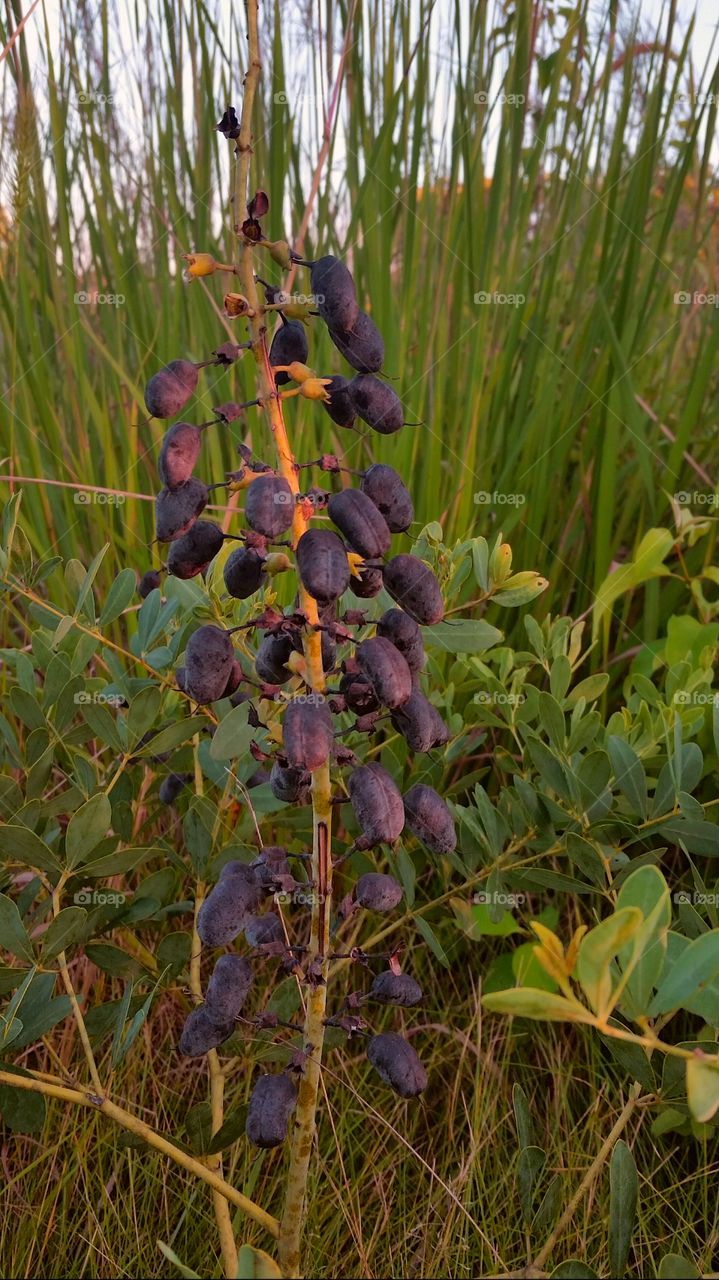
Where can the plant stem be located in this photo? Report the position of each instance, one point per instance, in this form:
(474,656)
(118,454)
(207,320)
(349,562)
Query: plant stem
(77,1011)
(321,873)
(150,1136)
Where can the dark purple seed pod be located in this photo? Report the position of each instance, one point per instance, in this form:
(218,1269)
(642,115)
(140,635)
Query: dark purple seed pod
(388,492)
(377,804)
(289,344)
(243,572)
(271,864)
(201,1033)
(172,785)
(367,584)
(308,732)
(339,406)
(228,988)
(395,988)
(208,663)
(222,915)
(376,403)
(386,670)
(260,930)
(414,586)
(149,581)
(192,553)
(334,290)
(323,565)
(378,892)
(168,391)
(429,819)
(420,724)
(258,778)
(403,632)
(289,784)
(358,693)
(269,506)
(361,344)
(176,510)
(272,1102)
(234,680)
(181,678)
(271,658)
(396,1062)
(359,520)
(178,454)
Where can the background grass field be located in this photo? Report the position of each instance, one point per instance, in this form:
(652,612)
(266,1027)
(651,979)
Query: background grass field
(558,156)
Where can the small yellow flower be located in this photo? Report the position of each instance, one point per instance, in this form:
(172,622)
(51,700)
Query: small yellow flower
(314,388)
(355,563)
(277,562)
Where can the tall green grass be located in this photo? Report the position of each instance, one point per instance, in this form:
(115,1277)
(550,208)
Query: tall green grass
(588,191)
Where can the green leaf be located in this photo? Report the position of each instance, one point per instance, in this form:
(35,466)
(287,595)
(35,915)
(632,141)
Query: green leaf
(551,718)
(529,1167)
(19,844)
(573,1270)
(112,960)
(549,1207)
(113,864)
(528,1002)
(255,1264)
(522,1117)
(171,737)
(233,735)
(647,564)
(172,1257)
(14,935)
(119,596)
(86,828)
(432,940)
(198,1126)
(519,589)
(466,636)
(643,957)
(40,1010)
(696,966)
(674,1267)
(143,712)
(701,838)
(623,1194)
(703,1088)
(629,773)
(173,953)
(67,927)
(232,1128)
(89,578)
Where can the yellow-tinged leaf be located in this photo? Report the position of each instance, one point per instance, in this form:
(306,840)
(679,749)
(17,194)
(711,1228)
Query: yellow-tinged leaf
(573,948)
(551,964)
(530,1002)
(255,1264)
(548,939)
(596,952)
(703,1087)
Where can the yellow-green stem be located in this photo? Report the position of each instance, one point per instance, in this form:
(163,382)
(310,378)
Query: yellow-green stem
(304,1126)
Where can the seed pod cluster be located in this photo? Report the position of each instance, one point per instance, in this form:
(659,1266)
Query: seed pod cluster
(373,664)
